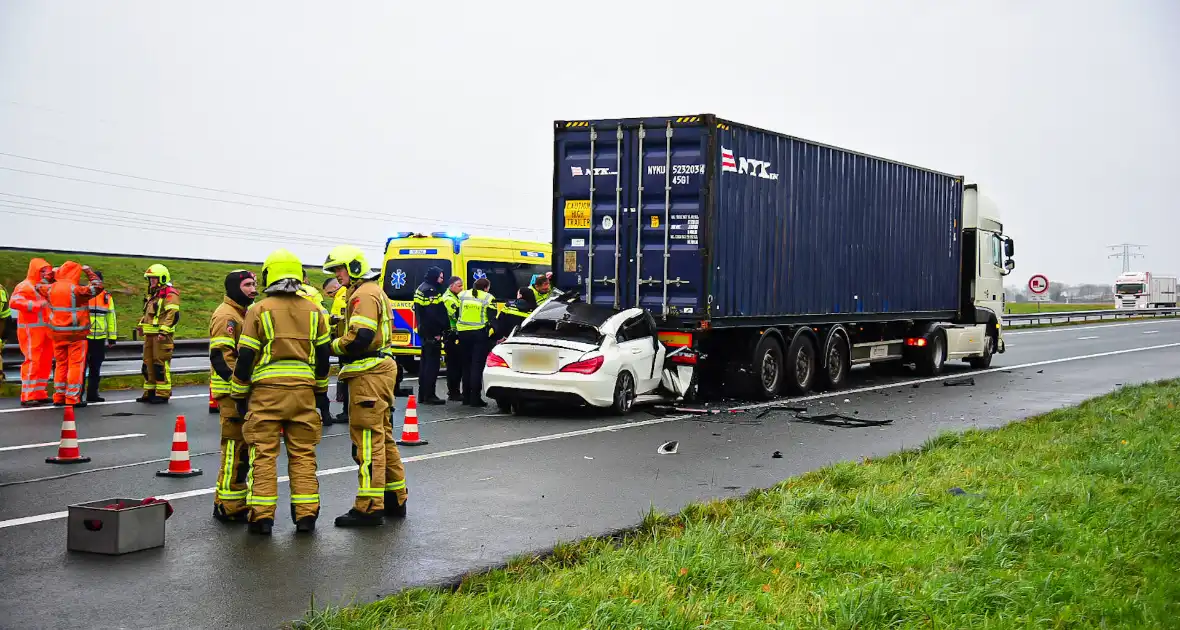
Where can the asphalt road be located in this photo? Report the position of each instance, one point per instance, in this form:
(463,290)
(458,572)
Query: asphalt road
(487,487)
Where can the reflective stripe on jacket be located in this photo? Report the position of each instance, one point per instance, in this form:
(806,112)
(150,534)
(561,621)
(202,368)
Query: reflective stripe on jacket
(103,324)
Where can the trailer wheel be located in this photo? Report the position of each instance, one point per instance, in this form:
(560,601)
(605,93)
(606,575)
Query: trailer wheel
(930,361)
(989,349)
(838,360)
(768,368)
(801,365)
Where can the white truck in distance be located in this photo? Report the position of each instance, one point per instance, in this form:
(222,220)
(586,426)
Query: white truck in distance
(1143,289)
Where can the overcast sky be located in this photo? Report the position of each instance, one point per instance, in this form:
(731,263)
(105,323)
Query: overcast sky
(419,116)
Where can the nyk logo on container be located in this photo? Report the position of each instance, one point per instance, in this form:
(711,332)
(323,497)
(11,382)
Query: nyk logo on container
(753,168)
(578,171)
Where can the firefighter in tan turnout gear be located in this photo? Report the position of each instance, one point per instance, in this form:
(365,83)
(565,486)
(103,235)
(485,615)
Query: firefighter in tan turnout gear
(370,373)
(282,370)
(225,327)
(161,312)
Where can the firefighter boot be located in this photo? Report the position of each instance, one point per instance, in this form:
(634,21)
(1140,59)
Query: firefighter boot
(305,525)
(262,526)
(392,507)
(356,518)
(220,514)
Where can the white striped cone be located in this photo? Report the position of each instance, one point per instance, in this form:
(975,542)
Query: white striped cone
(178,463)
(68,451)
(410,435)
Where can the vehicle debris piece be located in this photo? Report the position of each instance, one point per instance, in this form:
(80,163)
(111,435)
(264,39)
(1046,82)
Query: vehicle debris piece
(668,448)
(774,408)
(776,455)
(954,382)
(840,420)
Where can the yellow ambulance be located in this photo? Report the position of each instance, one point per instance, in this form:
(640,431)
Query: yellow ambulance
(509,264)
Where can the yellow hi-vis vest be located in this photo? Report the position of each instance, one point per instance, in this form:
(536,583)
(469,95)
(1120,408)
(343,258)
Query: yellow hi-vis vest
(473,310)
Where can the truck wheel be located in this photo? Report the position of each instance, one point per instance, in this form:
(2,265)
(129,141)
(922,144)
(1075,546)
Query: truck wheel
(801,365)
(985,361)
(624,394)
(835,374)
(767,368)
(930,362)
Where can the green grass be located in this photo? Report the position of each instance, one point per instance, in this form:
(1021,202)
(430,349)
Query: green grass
(1070,522)
(201,284)
(112,383)
(1027,308)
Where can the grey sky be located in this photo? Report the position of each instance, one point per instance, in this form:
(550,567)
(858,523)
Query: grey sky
(1064,112)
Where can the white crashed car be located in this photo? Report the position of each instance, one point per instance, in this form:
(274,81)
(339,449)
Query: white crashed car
(576,353)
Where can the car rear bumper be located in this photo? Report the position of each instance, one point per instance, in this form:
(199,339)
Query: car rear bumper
(502,383)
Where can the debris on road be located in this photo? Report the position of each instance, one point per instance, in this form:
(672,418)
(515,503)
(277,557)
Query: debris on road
(777,455)
(840,420)
(770,410)
(668,448)
(954,382)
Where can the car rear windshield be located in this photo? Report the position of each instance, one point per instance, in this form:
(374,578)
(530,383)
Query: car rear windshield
(562,331)
(403,275)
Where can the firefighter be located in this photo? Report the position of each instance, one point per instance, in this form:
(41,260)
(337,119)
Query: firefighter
(370,372)
(536,294)
(69,325)
(431,315)
(312,294)
(456,363)
(161,312)
(5,313)
(103,332)
(225,328)
(474,319)
(32,333)
(281,371)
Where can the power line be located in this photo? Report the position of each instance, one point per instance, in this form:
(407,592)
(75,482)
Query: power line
(82,216)
(364,213)
(169,219)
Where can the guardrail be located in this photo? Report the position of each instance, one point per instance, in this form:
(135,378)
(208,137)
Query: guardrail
(1065,317)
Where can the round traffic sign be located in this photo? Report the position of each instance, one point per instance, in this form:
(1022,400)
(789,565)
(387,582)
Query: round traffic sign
(1038,285)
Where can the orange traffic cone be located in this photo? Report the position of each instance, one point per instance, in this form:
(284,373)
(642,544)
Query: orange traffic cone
(178,463)
(410,427)
(213,408)
(67,451)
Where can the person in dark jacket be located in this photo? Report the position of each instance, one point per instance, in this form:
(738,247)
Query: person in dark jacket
(430,311)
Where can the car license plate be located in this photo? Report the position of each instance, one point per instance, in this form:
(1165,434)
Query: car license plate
(535,361)
(400,338)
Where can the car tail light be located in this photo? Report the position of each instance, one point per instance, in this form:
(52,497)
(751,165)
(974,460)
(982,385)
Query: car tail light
(684,359)
(587,366)
(495,360)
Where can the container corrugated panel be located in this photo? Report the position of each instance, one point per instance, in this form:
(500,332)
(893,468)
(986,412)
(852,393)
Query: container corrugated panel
(757,226)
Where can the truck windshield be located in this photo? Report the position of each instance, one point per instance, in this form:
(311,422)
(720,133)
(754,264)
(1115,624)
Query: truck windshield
(403,275)
(1128,289)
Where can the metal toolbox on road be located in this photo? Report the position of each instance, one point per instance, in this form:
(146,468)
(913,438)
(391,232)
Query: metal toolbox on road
(100,527)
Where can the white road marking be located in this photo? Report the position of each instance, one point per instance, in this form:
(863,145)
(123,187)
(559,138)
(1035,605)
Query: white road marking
(1151,332)
(1087,337)
(96,439)
(1044,331)
(642,423)
(131,400)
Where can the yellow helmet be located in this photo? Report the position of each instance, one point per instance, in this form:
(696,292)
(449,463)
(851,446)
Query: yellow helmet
(347,256)
(279,265)
(158,271)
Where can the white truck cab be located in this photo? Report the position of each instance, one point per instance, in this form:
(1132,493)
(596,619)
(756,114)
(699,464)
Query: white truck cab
(1143,289)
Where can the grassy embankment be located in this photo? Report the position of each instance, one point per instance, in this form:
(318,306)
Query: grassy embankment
(201,285)
(1029,308)
(1067,520)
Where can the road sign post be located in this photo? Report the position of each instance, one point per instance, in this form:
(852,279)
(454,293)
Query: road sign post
(1038,286)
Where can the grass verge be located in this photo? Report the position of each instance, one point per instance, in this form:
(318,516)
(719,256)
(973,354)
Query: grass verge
(1064,520)
(201,284)
(115,383)
(1030,308)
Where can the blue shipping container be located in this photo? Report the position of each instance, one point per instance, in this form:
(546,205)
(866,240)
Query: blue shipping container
(696,218)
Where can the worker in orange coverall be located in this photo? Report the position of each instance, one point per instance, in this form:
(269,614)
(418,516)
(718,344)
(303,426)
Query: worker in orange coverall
(32,332)
(69,325)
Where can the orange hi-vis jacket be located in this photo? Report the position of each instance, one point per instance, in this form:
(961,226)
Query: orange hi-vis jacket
(69,308)
(31,310)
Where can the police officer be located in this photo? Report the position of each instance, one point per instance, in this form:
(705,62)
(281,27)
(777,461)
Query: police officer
(370,372)
(456,363)
(282,370)
(475,313)
(104,330)
(433,322)
(225,328)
